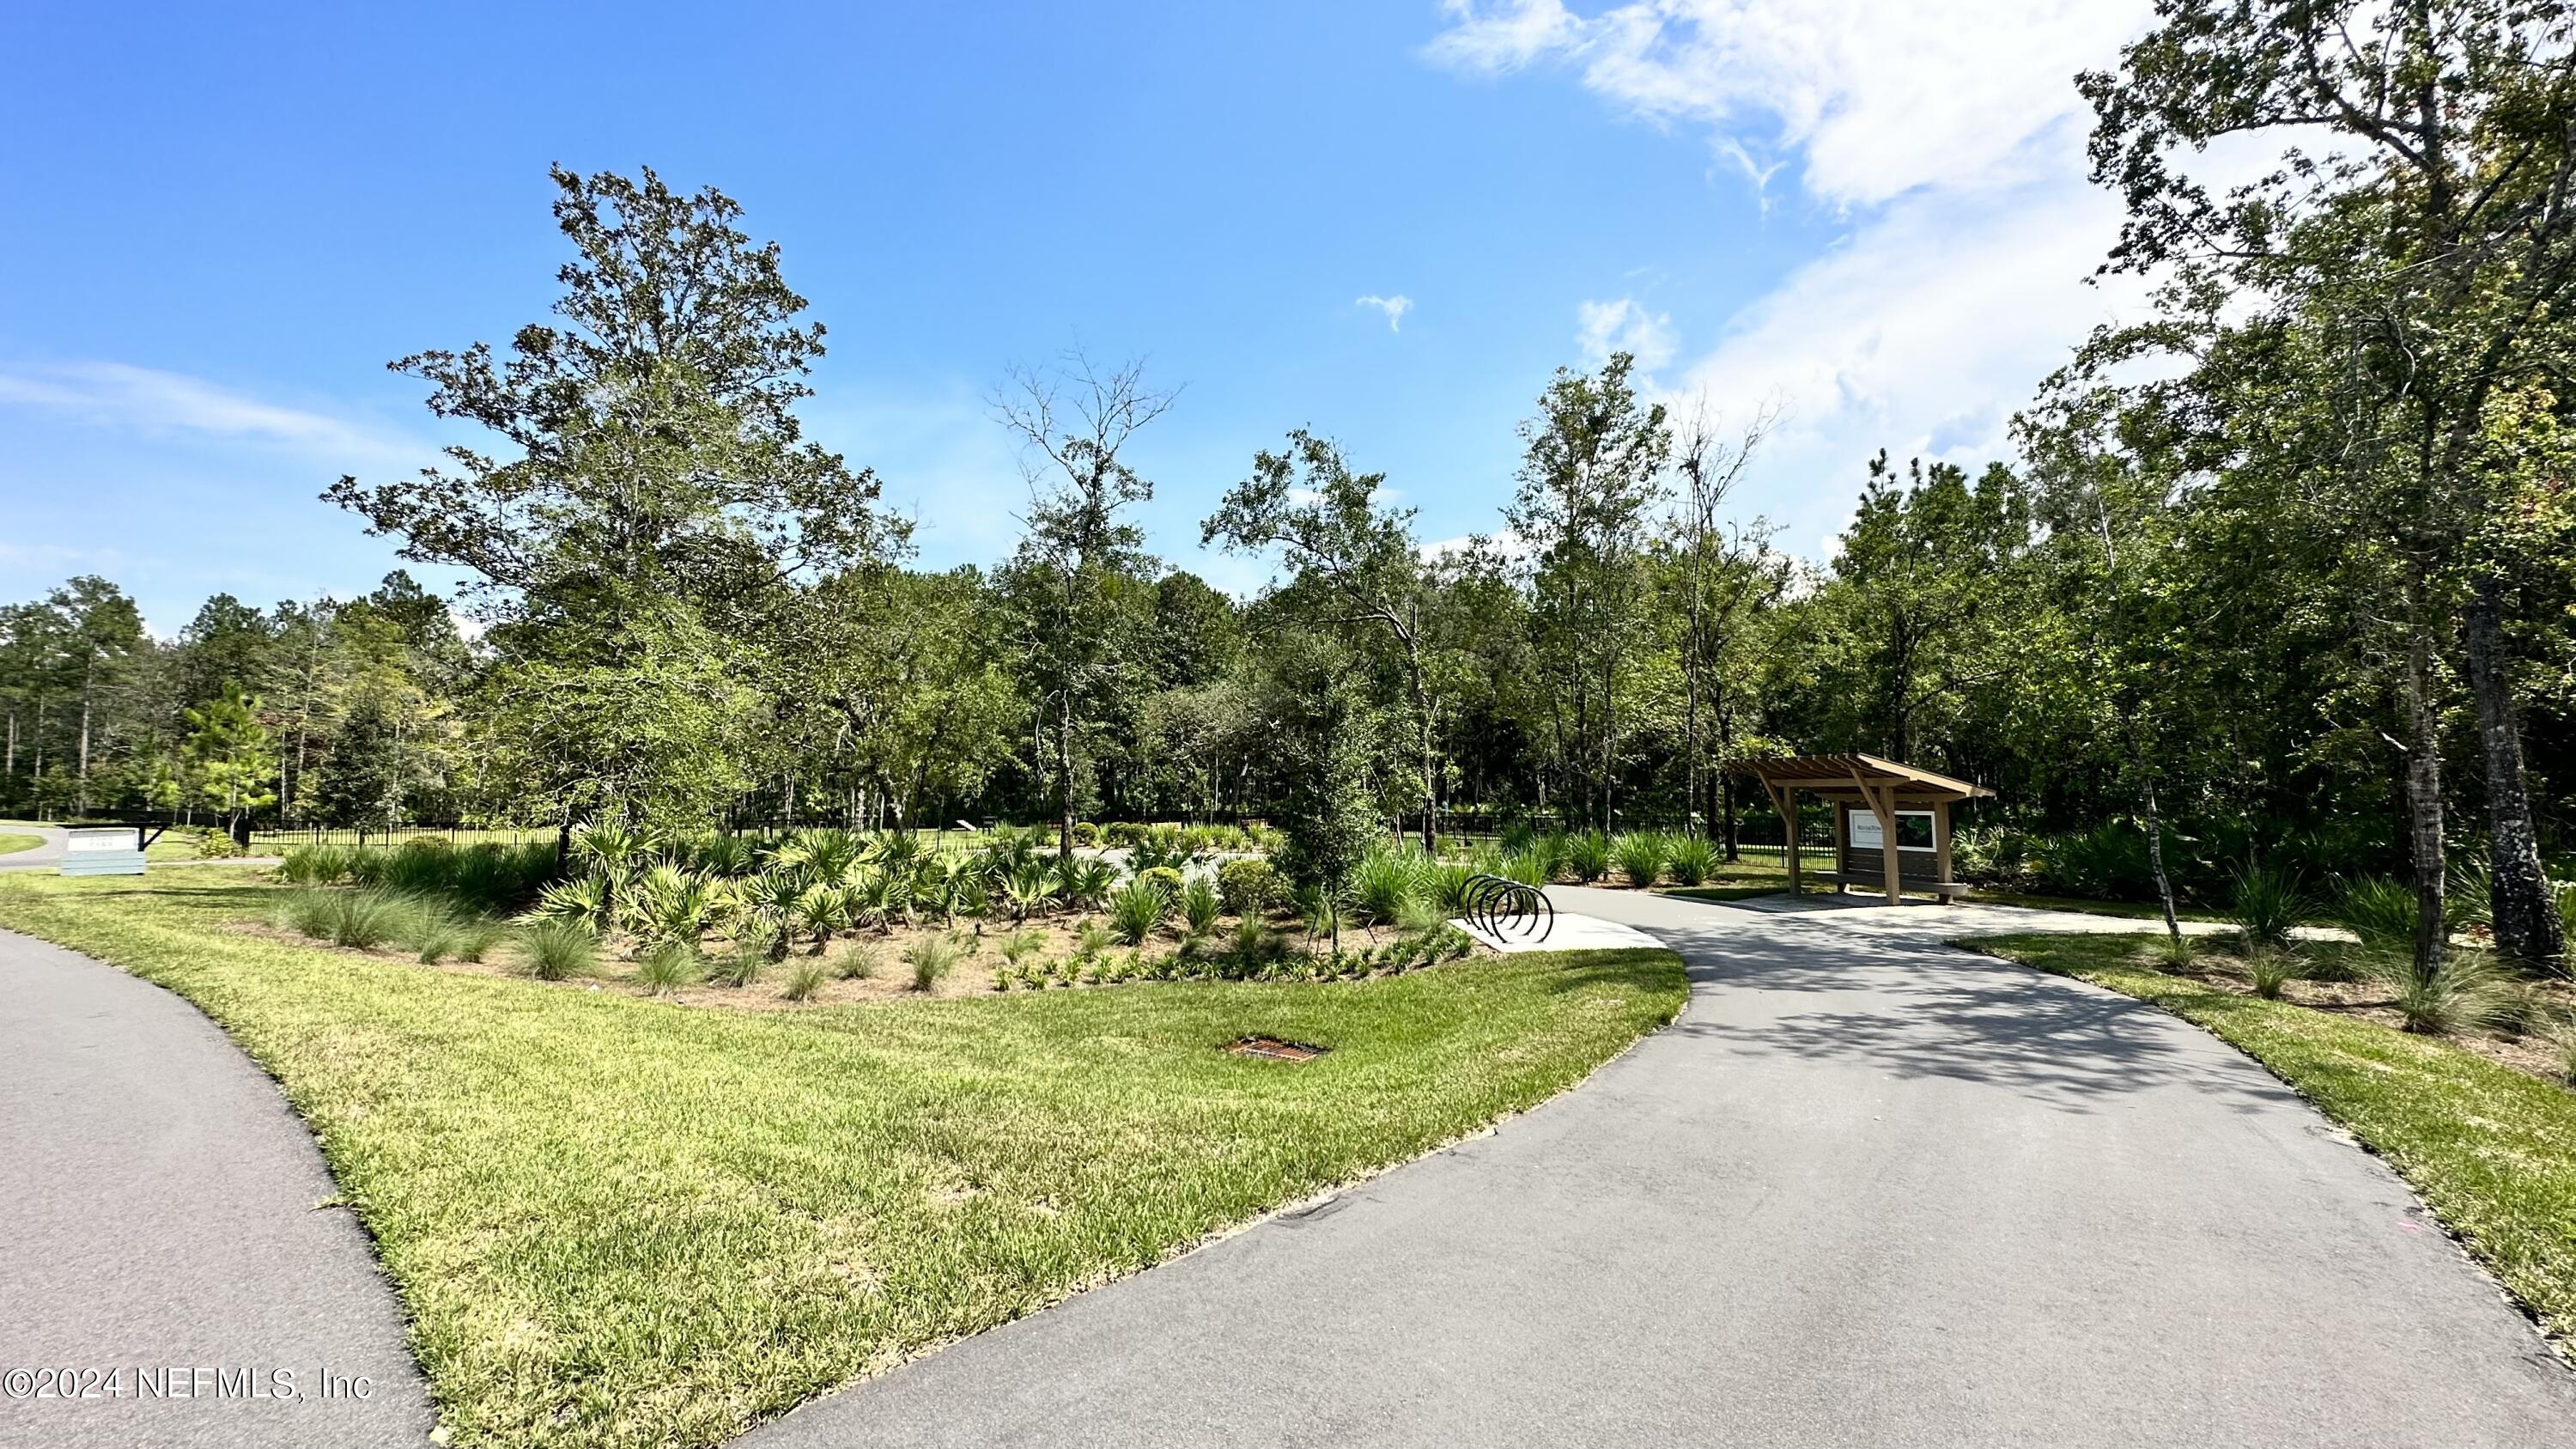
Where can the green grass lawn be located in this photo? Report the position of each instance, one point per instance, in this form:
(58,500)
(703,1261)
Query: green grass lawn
(617,1221)
(12,844)
(2493,1150)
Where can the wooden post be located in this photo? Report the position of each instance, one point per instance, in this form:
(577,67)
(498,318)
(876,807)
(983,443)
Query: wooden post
(1785,801)
(1941,847)
(1885,810)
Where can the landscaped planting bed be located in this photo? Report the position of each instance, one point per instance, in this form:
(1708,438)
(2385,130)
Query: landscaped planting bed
(615,1221)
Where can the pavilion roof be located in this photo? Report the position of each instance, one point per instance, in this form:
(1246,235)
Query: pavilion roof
(1837,776)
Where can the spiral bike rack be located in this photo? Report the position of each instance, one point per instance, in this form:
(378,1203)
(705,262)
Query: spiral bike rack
(1507,910)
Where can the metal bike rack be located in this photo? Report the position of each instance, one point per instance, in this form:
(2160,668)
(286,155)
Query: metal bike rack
(1507,909)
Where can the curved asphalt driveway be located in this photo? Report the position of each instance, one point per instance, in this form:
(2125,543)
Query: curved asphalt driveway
(164,1235)
(1868,1190)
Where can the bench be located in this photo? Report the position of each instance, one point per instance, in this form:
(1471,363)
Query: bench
(1946,890)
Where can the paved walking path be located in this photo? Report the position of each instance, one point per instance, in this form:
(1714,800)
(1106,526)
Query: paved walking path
(1868,1190)
(161,1213)
(48,856)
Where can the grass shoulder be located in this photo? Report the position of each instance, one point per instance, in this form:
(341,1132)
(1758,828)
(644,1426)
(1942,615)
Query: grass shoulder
(618,1220)
(2492,1148)
(11,844)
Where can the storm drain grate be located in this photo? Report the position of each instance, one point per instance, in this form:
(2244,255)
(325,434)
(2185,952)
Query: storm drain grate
(1271,1048)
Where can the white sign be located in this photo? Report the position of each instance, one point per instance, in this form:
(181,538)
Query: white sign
(98,840)
(1913,831)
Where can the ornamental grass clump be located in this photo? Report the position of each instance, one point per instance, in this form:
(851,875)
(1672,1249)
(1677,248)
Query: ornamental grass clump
(1386,879)
(2264,905)
(666,968)
(2379,910)
(1588,856)
(1200,905)
(1692,858)
(1136,909)
(2270,969)
(803,981)
(2460,993)
(931,959)
(560,950)
(1640,856)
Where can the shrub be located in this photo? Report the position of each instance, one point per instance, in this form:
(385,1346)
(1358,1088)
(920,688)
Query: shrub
(1320,914)
(1693,859)
(2462,993)
(1164,878)
(1641,857)
(1086,832)
(560,950)
(2379,910)
(1136,909)
(1444,884)
(2264,905)
(2270,969)
(1386,880)
(1250,887)
(931,958)
(214,844)
(666,968)
(803,982)
(1199,905)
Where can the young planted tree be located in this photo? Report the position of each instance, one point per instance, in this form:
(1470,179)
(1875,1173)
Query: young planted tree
(1075,424)
(1323,736)
(1356,557)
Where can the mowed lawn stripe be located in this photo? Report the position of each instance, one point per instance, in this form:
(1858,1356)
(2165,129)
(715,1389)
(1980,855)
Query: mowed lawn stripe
(617,1221)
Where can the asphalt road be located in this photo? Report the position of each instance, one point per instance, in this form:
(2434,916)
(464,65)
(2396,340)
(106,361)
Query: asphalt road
(163,1235)
(1866,1191)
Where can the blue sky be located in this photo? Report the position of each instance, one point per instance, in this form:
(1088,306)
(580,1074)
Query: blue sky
(224,221)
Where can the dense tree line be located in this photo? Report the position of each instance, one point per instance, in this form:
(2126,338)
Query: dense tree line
(2280,573)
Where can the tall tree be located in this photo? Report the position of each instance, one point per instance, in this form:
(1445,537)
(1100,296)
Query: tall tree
(1592,470)
(657,488)
(1075,423)
(2433,241)
(1359,555)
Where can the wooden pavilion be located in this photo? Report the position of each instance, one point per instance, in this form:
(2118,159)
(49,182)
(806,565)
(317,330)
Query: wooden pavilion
(1891,821)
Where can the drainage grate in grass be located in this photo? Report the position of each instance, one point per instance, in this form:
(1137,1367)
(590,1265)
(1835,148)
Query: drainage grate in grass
(1271,1048)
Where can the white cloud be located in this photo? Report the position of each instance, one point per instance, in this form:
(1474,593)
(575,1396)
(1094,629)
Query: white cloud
(1946,136)
(1873,99)
(1394,307)
(146,400)
(1625,326)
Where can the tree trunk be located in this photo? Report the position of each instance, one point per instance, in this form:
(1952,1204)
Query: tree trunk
(1064,777)
(2424,785)
(1430,774)
(2526,919)
(89,675)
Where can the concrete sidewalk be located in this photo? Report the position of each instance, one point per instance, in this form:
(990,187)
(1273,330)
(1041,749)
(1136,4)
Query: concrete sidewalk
(1868,1190)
